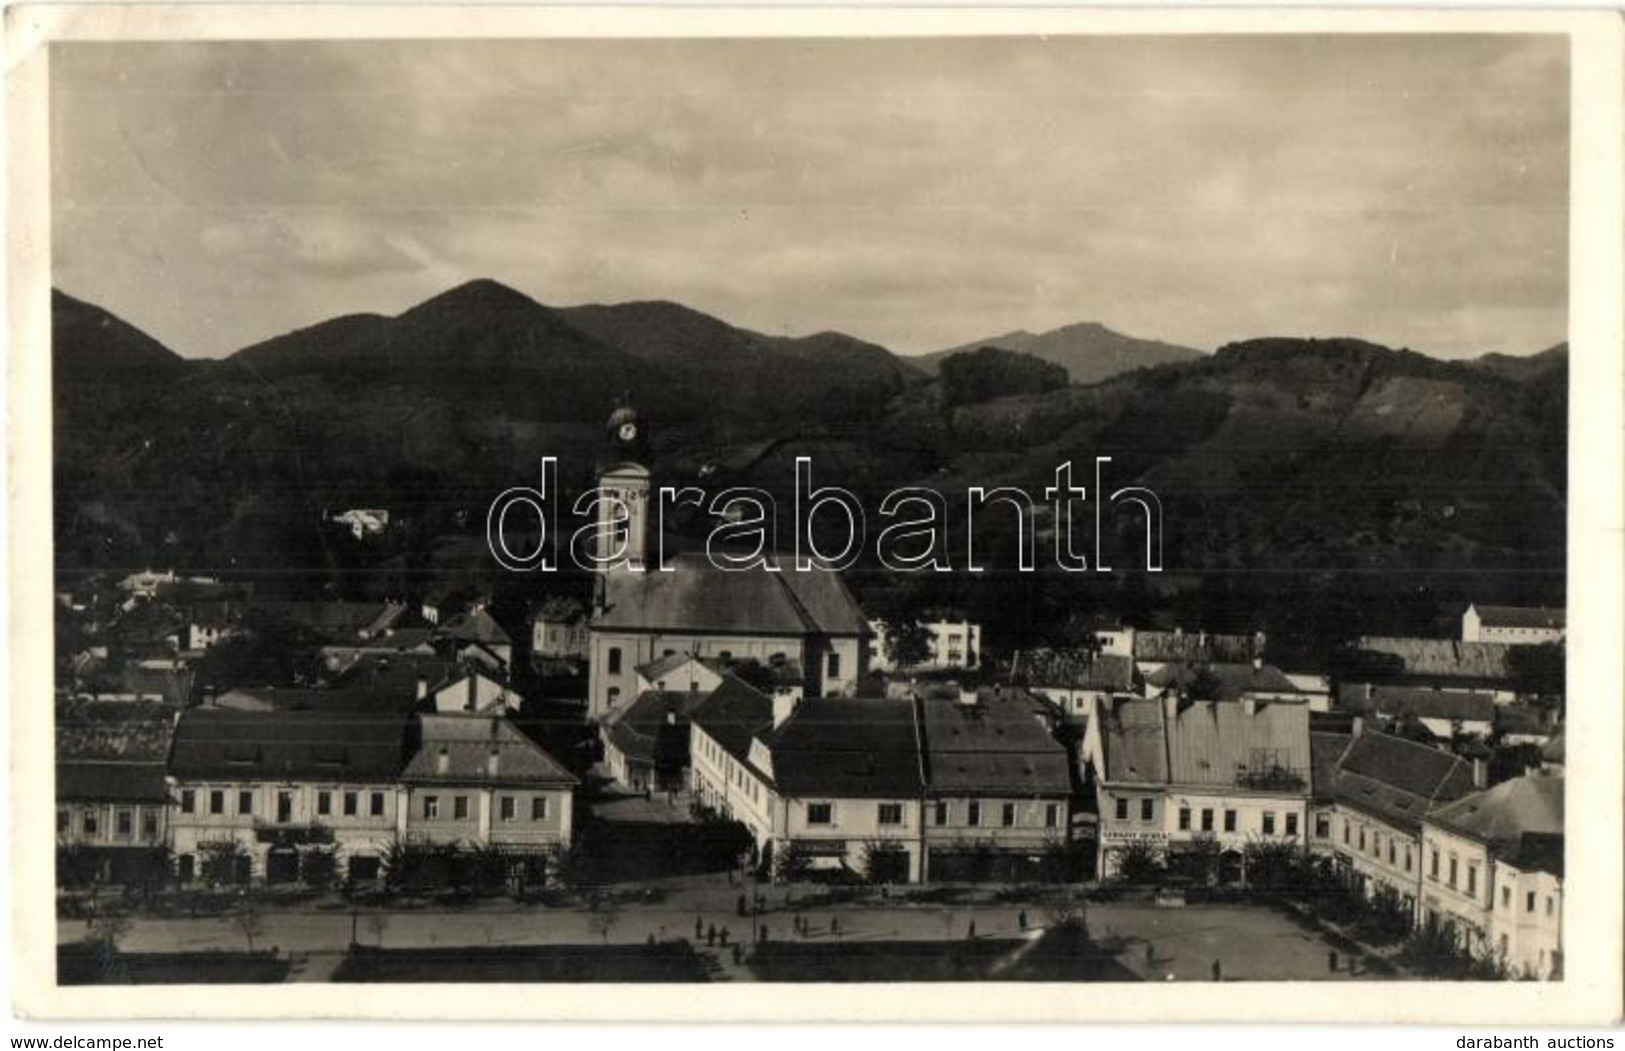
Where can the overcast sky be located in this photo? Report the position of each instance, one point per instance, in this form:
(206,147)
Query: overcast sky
(917,193)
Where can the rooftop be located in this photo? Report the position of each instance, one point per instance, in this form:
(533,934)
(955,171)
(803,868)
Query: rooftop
(699,596)
(218,743)
(1398,780)
(847,748)
(461,748)
(1391,701)
(997,745)
(1521,616)
(1444,658)
(1499,817)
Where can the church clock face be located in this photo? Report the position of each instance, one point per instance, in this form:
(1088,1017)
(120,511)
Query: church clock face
(628,431)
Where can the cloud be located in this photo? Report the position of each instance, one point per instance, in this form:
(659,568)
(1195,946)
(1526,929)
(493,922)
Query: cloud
(918,193)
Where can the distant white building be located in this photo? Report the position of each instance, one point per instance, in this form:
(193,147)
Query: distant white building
(953,644)
(1513,625)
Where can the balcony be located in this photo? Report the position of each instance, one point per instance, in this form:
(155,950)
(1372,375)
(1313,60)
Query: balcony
(1271,779)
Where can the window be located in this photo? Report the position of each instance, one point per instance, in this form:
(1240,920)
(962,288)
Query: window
(942,812)
(1207,819)
(1147,809)
(1452,879)
(1007,815)
(431,807)
(1184,819)
(1407,859)
(377,802)
(1323,827)
(973,815)
(891,814)
(1506,898)
(284,807)
(1362,838)
(149,824)
(1391,851)
(1472,879)
(1551,904)
(124,823)
(1292,827)
(508,808)
(217,801)
(538,808)
(614,660)
(1345,832)
(1529,902)
(459,808)
(1122,810)
(1269,822)
(93,826)
(819,813)
(834,665)
(1433,866)
(1229,820)
(188,800)
(1052,815)
(324,803)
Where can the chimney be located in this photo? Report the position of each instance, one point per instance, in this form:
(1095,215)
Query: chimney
(491,761)
(1481,774)
(442,761)
(783,707)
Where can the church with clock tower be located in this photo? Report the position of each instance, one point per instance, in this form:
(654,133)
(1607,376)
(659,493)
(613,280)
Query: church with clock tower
(806,624)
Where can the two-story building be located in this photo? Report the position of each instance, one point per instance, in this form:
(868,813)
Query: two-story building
(1487,855)
(477,780)
(1513,625)
(949,644)
(290,795)
(1172,772)
(1381,788)
(1075,680)
(111,821)
(646,743)
(558,629)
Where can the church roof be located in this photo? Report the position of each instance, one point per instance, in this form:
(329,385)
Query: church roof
(697,596)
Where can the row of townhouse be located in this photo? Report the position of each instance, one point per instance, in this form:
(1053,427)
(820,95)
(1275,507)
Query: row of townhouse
(285,793)
(902,791)
(1418,822)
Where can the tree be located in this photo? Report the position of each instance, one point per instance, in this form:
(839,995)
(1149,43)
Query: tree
(791,862)
(222,861)
(908,643)
(1538,671)
(1139,862)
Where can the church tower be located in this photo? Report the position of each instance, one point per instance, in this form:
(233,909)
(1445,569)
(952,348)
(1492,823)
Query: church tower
(624,491)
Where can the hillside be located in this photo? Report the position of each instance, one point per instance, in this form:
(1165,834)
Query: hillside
(1089,352)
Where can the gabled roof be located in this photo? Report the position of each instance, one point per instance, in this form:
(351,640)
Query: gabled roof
(733,714)
(477,627)
(654,727)
(468,743)
(1398,780)
(558,608)
(997,746)
(1392,701)
(1078,669)
(1499,817)
(659,668)
(1444,658)
(110,782)
(218,743)
(1135,742)
(1521,616)
(843,748)
(696,596)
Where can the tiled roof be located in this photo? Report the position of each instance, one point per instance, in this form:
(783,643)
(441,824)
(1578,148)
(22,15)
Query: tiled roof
(995,746)
(467,744)
(1325,749)
(1444,658)
(558,608)
(1537,852)
(1215,742)
(1234,679)
(1196,646)
(1391,701)
(654,727)
(297,745)
(700,597)
(1073,668)
(733,714)
(317,699)
(1398,780)
(1500,816)
(1135,742)
(116,782)
(129,731)
(1521,616)
(844,748)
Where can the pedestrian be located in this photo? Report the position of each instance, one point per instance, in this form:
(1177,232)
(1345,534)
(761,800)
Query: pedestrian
(736,953)
(711,935)
(725,936)
(834,925)
(1218,972)
(764,932)
(699,928)
(1150,954)
(739,906)
(971,931)
(1021,919)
